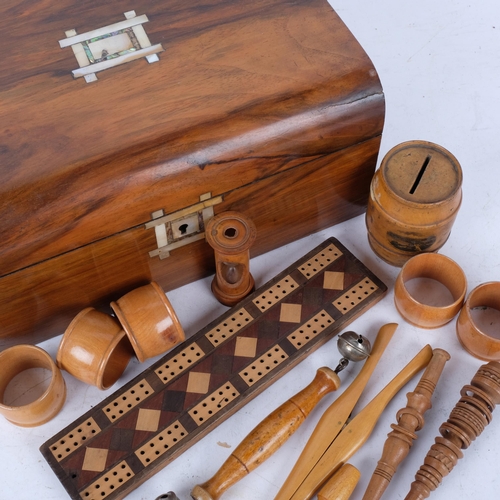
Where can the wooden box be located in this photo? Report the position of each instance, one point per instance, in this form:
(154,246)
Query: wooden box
(123,132)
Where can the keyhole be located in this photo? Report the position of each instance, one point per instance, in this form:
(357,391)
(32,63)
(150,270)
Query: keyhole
(183,228)
(420,174)
(230,232)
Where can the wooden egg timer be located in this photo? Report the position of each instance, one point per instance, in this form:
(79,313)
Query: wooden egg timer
(231,234)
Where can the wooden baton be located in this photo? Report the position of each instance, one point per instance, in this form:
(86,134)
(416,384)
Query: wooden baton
(268,436)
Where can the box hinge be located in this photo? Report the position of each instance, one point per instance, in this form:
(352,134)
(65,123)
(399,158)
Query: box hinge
(180,228)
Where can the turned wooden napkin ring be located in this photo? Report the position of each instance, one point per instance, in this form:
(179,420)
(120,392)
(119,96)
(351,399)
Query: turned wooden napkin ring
(149,320)
(18,359)
(414,198)
(94,349)
(437,267)
(472,338)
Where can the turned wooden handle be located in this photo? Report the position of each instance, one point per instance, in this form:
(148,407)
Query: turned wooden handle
(268,436)
(335,416)
(354,435)
(467,421)
(410,419)
(341,485)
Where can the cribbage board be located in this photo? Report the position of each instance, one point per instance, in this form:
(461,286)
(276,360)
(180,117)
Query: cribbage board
(140,428)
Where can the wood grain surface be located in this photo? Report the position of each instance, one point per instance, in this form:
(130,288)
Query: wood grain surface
(267,104)
(167,408)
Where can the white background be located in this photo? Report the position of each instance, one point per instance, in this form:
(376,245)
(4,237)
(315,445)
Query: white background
(439,63)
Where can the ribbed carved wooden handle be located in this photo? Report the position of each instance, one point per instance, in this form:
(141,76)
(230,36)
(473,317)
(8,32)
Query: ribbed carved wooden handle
(467,421)
(268,436)
(410,419)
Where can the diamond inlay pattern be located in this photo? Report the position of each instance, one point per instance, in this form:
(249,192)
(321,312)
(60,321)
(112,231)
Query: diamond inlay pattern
(333,280)
(153,417)
(148,420)
(95,459)
(198,382)
(291,313)
(246,347)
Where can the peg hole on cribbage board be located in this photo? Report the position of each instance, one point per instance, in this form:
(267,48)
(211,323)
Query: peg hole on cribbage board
(152,419)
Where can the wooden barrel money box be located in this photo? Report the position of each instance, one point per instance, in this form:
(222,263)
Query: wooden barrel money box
(414,199)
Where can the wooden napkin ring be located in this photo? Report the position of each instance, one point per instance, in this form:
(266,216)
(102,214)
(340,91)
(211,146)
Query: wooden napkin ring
(94,349)
(474,340)
(18,359)
(437,267)
(149,320)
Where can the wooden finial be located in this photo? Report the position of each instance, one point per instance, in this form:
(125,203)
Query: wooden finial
(410,419)
(466,422)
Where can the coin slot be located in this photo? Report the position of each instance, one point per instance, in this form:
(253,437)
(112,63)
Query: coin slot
(420,174)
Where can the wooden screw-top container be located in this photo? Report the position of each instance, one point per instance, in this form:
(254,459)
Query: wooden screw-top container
(414,199)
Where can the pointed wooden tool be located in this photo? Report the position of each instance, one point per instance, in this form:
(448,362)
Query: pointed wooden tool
(335,416)
(354,435)
(278,426)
